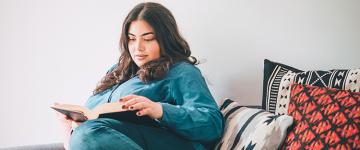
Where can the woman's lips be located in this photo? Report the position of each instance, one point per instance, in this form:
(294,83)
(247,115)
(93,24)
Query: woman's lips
(140,57)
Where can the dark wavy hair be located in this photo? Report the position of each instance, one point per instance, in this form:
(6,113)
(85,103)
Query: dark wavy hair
(173,47)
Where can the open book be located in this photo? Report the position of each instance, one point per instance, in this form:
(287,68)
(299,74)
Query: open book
(108,110)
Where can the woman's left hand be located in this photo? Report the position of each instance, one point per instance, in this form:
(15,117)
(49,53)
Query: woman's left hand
(143,106)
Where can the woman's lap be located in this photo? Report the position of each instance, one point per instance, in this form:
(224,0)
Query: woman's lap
(110,134)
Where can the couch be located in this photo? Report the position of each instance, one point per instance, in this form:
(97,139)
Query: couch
(314,109)
(53,146)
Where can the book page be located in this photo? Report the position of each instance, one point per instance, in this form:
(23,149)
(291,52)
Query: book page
(108,108)
(78,112)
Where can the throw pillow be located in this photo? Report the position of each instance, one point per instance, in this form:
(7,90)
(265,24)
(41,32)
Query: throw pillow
(250,128)
(324,118)
(278,77)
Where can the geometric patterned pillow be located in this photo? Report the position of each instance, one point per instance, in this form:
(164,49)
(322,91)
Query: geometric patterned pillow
(278,78)
(324,118)
(251,128)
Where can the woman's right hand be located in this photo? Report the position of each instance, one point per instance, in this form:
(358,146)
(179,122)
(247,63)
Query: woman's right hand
(67,124)
(66,121)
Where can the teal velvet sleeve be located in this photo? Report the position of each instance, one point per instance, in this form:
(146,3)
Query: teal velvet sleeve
(195,114)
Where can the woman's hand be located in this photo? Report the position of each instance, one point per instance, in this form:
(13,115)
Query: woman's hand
(143,106)
(66,128)
(66,121)
(67,124)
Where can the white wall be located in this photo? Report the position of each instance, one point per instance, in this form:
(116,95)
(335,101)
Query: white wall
(57,50)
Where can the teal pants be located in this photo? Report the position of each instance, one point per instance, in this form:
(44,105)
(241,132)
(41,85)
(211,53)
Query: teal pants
(111,134)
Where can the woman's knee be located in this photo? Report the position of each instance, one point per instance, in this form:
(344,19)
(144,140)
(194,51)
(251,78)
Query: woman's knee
(96,134)
(86,133)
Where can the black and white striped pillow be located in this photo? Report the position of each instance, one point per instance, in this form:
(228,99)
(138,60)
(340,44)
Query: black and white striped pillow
(251,128)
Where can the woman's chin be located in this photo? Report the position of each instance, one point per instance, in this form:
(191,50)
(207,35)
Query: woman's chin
(140,63)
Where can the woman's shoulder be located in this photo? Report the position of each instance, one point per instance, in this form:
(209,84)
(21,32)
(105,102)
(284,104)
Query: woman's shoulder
(183,68)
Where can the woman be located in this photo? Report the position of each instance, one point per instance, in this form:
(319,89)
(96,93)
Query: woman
(155,77)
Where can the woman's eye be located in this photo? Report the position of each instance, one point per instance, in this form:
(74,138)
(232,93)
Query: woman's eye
(132,39)
(149,39)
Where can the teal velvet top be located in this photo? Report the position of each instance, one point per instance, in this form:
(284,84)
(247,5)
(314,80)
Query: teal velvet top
(189,109)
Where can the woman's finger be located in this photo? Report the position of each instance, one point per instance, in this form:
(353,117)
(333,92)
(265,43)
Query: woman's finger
(62,116)
(133,101)
(143,112)
(139,106)
(128,97)
(77,123)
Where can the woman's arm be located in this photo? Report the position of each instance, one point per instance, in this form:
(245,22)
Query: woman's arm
(195,114)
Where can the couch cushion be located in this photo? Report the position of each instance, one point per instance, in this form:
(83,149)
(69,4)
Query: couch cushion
(247,128)
(324,118)
(53,146)
(278,77)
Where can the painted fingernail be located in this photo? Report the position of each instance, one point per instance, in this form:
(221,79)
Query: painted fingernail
(120,99)
(131,107)
(123,107)
(138,113)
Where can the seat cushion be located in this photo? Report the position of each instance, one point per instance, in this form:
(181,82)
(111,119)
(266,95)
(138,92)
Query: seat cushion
(52,146)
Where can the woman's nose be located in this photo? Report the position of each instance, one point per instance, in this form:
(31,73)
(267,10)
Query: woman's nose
(139,46)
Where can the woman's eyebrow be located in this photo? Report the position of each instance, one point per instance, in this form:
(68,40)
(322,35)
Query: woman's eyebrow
(147,33)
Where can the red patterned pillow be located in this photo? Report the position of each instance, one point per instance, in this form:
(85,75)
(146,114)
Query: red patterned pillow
(324,118)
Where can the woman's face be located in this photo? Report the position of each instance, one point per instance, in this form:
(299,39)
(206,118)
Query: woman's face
(143,46)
